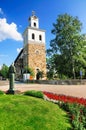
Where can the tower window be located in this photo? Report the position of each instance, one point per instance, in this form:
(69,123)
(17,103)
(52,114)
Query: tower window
(34,24)
(33,36)
(40,37)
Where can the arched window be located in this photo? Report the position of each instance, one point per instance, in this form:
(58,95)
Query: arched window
(33,36)
(40,37)
(37,69)
(34,24)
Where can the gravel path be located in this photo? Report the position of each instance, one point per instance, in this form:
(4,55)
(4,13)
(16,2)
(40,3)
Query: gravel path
(71,90)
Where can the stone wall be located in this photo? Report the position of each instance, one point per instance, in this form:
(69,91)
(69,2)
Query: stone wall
(59,82)
(37,57)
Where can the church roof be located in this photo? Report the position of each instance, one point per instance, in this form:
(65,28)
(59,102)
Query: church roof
(18,56)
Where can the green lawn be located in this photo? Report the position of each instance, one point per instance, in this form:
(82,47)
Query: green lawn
(19,112)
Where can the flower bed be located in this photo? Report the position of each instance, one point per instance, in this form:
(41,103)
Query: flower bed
(64,98)
(75,107)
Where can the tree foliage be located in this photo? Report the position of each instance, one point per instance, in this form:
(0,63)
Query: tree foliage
(68,48)
(29,70)
(39,74)
(5,71)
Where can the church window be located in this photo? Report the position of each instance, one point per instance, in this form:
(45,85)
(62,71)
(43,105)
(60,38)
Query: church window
(37,69)
(40,37)
(33,36)
(34,24)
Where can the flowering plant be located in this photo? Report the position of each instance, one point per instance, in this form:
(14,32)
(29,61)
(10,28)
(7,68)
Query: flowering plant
(75,107)
(65,98)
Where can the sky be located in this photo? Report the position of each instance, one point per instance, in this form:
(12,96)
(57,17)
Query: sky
(14,16)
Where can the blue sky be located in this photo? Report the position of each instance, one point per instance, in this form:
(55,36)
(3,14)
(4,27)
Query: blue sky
(14,19)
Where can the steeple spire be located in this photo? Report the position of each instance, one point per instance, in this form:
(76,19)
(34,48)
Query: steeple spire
(33,20)
(33,13)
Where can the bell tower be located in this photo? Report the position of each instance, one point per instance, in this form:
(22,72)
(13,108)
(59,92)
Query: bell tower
(34,46)
(33,20)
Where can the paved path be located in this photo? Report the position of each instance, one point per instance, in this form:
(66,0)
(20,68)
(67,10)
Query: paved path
(71,90)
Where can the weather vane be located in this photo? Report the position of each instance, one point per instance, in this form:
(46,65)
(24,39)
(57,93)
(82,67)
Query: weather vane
(33,13)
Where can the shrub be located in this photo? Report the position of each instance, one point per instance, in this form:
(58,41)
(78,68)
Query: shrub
(77,114)
(1,92)
(34,93)
(39,75)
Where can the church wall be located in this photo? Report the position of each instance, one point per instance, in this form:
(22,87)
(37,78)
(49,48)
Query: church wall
(37,57)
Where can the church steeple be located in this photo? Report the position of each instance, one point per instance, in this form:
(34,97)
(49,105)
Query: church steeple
(34,50)
(33,34)
(33,13)
(33,21)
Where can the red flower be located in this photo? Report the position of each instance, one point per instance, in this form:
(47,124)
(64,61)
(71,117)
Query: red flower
(65,98)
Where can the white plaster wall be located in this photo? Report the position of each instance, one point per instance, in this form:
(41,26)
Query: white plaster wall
(36,33)
(34,21)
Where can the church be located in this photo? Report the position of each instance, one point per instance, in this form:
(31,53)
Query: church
(33,54)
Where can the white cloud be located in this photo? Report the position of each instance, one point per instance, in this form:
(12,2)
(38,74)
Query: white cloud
(1,11)
(9,31)
(19,49)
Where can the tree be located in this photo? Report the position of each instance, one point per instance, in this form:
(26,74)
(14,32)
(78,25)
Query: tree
(52,72)
(39,75)
(69,46)
(5,71)
(29,70)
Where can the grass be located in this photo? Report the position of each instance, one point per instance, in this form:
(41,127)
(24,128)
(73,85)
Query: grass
(34,93)
(19,112)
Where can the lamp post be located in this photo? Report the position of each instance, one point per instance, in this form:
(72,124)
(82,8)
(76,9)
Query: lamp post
(11,79)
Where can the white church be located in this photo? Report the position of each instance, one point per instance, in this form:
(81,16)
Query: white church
(33,54)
